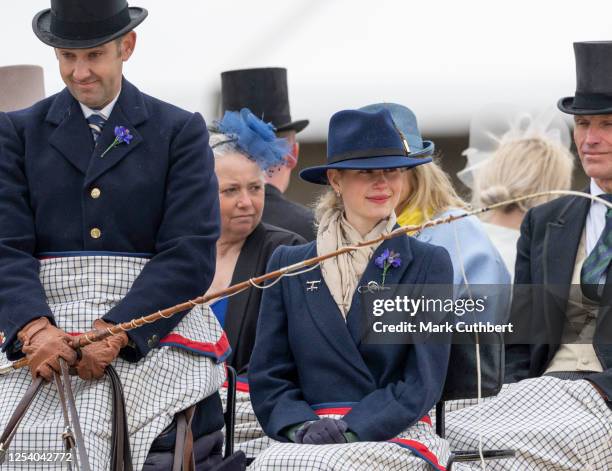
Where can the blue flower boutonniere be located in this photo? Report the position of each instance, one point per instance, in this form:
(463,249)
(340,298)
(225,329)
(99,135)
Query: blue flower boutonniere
(388,259)
(122,134)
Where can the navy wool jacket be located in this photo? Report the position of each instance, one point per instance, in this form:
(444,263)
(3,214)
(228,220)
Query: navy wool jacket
(306,355)
(156,196)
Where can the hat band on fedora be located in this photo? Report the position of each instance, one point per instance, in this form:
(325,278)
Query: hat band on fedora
(592,101)
(368,153)
(89,30)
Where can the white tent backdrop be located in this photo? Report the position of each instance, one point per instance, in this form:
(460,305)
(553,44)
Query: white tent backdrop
(444,59)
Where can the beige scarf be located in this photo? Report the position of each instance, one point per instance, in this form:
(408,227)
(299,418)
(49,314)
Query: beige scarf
(342,273)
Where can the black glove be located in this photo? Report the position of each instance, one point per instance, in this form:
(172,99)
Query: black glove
(321,432)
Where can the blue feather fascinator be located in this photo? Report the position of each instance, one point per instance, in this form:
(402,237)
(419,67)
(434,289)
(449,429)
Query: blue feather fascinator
(254,137)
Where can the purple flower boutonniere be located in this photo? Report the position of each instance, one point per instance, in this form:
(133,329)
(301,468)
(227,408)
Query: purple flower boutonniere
(388,259)
(122,134)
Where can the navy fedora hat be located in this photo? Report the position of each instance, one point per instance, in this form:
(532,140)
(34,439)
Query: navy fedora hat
(593,80)
(81,24)
(364,140)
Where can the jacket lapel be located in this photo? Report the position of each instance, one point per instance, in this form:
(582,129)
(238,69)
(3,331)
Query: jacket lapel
(72,137)
(356,319)
(328,318)
(246,266)
(561,243)
(129,111)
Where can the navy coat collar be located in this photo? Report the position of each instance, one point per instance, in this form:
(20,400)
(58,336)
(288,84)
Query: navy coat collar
(345,337)
(72,137)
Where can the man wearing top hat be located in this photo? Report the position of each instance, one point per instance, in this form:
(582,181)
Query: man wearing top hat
(264,91)
(20,86)
(557,411)
(108,211)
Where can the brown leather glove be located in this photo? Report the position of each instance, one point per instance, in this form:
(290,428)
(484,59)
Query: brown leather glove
(43,345)
(98,355)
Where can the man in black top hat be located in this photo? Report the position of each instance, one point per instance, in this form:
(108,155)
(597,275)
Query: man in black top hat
(555,409)
(264,91)
(569,241)
(119,189)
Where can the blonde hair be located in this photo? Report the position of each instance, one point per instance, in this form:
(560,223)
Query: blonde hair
(328,200)
(431,190)
(520,167)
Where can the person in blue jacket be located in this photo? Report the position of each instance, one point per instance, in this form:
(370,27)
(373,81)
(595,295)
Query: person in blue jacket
(428,193)
(335,400)
(109,211)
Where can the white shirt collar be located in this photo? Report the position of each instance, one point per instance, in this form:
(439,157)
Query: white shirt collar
(104,112)
(595,190)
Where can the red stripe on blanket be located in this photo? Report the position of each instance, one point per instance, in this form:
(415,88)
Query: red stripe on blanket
(242,385)
(422,449)
(333,411)
(218,349)
(345,410)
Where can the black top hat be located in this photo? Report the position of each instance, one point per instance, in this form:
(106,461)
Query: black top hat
(81,24)
(263,91)
(593,80)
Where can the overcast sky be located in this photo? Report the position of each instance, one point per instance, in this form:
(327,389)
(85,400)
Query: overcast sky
(444,59)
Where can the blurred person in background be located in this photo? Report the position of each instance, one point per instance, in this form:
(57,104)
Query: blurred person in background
(20,86)
(512,154)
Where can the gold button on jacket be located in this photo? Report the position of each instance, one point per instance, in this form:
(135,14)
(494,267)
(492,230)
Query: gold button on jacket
(95,193)
(95,233)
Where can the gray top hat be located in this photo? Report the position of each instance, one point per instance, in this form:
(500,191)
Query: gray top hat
(593,80)
(20,86)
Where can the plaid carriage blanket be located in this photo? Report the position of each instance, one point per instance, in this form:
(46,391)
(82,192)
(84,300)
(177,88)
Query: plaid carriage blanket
(552,424)
(184,370)
(416,448)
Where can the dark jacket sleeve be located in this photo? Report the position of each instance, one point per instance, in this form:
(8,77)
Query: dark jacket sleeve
(517,358)
(276,397)
(184,263)
(384,413)
(604,381)
(22,297)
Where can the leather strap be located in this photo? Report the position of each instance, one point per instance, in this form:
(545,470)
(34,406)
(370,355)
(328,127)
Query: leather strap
(188,458)
(183,447)
(121,456)
(121,459)
(74,416)
(20,410)
(67,435)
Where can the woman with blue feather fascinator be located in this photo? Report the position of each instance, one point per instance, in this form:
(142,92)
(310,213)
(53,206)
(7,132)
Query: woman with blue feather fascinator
(244,148)
(253,137)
